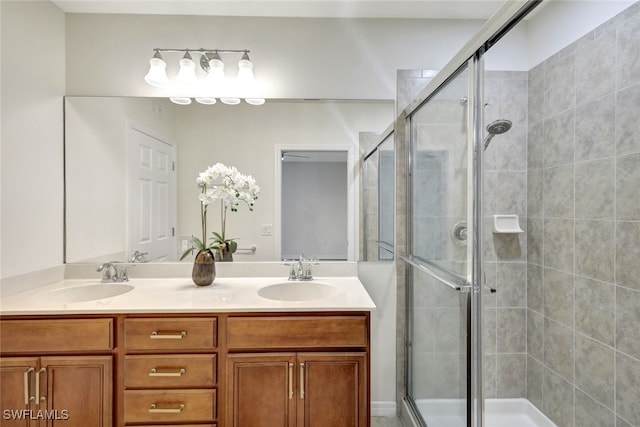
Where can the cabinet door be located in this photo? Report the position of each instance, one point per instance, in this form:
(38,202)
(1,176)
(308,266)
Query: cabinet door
(77,390)
(332,390)
(16,390)
(261,390)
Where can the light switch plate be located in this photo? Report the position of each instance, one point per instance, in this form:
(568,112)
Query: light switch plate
(267,230)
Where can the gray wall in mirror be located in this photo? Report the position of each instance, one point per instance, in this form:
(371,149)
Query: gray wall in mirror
(245,136)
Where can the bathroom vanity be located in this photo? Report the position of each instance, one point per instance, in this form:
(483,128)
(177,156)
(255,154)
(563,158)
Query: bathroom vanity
(168,353)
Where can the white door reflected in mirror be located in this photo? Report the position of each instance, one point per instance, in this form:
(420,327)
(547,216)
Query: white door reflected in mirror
(152,196)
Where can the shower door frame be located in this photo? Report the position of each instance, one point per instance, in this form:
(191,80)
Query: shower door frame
(471,55)
(468,284)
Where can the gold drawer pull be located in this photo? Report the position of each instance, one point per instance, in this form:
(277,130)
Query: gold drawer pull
(38,397)
(153,409)
(154,373)
(290,380)
(155,335)
(302,380)
(27,398)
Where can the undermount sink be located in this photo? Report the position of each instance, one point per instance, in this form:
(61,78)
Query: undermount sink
(86,293)
(297,291)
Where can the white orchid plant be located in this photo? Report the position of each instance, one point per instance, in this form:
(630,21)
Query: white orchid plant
(225,184)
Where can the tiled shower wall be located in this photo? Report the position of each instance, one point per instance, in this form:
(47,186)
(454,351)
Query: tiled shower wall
(583,251)
(369,198)
(504,255)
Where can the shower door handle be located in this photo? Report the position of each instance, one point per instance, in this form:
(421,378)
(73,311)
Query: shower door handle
(457,285)
(484,283)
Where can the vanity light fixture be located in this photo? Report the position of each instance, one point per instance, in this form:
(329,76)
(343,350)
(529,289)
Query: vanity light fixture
(213,84)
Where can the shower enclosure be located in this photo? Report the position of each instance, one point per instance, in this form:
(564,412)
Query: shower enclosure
(445,142)
(540,317)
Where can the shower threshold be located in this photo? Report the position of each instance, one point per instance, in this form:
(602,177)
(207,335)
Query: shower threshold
(498,413)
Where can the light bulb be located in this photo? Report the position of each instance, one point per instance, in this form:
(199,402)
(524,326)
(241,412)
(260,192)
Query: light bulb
(157,74)
(187,73)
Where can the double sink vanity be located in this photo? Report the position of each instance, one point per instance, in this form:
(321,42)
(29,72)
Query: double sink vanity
(243,352)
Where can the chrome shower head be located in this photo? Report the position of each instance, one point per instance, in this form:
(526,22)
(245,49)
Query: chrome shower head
(498,127)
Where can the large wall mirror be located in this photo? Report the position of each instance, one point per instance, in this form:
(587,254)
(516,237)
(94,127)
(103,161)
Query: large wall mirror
(131,166)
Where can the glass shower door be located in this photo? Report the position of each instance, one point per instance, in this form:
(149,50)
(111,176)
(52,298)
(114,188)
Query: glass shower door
(439,259)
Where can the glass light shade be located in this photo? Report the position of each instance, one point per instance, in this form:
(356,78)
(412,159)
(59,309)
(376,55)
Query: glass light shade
(254,101)
(246,83)
(187,73)
(216,72)
(180,100)
(157,75)
(230,101)
(205,100)
(245,73)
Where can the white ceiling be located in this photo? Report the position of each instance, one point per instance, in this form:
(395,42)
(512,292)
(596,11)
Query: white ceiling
(429,9)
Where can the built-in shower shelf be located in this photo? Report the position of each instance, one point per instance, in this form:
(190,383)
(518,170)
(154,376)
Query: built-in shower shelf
(506,224)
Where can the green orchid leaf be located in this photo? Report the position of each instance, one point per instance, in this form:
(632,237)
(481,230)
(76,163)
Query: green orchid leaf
(197,243)
(187,252)
(233,246)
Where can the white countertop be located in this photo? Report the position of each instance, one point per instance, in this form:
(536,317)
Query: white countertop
(180,295)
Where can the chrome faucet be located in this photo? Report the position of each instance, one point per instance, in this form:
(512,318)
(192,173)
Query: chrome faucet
(113,272)
(138,256)
(301,268)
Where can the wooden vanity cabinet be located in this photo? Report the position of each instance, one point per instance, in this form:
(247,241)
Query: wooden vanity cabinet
(295,371)
(297,389)
(170,371)
(56,385)
(181,370)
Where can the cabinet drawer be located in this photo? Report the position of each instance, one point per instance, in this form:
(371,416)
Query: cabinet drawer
(297,332)
(179,371)
(183,425)
(170,334)
(40,336)
(169,406)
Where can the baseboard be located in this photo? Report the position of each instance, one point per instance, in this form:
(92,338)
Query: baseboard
(384,409)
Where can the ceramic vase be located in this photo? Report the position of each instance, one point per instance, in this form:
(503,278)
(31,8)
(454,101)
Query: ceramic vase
(204,268)
(224,254)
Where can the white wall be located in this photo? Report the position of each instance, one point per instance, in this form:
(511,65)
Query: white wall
(33,84)
(294,58)
(556,24)
(379,279)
